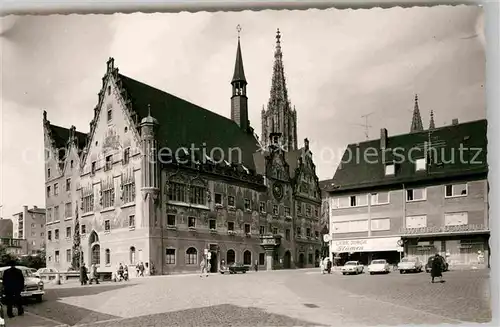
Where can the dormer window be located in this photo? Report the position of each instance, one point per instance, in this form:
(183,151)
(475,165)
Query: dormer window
(390,169)
(126,156)
(109,162)
(93,168)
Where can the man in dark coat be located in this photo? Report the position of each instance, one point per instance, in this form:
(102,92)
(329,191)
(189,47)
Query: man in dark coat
(83,274)
(437,267)
(13,285)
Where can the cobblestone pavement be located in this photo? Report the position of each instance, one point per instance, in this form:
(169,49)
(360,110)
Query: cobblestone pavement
(280,298)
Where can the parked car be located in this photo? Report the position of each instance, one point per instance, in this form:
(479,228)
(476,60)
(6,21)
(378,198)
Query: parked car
(352,268)
(428,266)
(45,271)
(410,264)
(33,286)
(379,266)
(234,268)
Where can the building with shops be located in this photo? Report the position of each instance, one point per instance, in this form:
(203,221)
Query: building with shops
(29,224)
(160,180)
(414,194)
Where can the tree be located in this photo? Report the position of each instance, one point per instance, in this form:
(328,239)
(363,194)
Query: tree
(5,256)
(77,249)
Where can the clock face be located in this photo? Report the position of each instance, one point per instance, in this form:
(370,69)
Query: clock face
(278,191)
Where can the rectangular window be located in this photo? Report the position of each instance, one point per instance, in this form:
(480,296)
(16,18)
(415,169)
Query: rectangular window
(212,224)
(230,225)
(344,202)
(170,257)
(390,169)
(68,255)
(68,210)
(48,191)
(287,234)
(131,221)
(359,200)
(128,191)
(262,230)
(93,169)
(247,204)
(48,173)
(355,226)
(416,194)
(316,212)
(109,163)
(198,195)
(230,201)
(218,198)
(49,235)
(456,219)
(262,207)
(68,184)
(56,213)
(56,234)
(308,210)
(379,198)
(247,228)
(299,231)
(110,115)
(275,230)
(56,255)
(262,259)
(380,224)
(308,232)
(83,229)
(88,201)
(126,156)
(177,192)
(275,209)
(287,211)
(455,190)
(170,220)
(299,208)
(56,189)
(108,195)
(416,222)
(107,226)
(420,164)
(68,232)
(191,222)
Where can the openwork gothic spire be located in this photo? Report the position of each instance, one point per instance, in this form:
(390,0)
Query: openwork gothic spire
(432,125)
(279,116)
(416,122)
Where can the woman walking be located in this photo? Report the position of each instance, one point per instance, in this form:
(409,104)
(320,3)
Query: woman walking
(437,268)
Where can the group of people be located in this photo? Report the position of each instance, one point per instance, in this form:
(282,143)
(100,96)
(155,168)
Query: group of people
(326,265)
(88,276)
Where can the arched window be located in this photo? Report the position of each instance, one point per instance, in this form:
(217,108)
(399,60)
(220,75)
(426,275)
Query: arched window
(247,258)
(132,255)
(191,256)
(96,254)
(230,257)
(107,256)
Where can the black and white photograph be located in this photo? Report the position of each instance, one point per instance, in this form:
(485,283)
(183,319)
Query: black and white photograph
(318,167)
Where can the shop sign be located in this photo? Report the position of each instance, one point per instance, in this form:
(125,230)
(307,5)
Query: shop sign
(367,245)
(443,229)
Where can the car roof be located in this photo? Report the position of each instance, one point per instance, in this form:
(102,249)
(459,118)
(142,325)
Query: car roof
(18,267)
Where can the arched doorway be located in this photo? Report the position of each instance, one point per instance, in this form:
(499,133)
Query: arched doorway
(132,255)
(302,260)
(247,257)
(94,248)
(213,262)
(230,257)
(287,260)
(316,258)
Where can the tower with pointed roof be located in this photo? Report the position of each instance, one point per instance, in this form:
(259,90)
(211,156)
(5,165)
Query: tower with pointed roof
(239,99)
(279,118)
(416,121)
(432,125)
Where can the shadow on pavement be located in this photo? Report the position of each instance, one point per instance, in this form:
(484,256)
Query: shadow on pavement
(68,314)
(218,315)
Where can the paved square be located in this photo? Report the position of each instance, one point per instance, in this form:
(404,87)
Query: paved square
(278,298)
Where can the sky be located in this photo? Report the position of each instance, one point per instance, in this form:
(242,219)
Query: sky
(340,65)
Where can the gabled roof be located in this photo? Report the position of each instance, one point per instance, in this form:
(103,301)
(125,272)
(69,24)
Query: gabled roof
(367,171)
(183,124)
(61,135)
(239,72)
(325,185)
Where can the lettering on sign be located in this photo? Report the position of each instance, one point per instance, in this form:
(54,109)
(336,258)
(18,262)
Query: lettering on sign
(367,245)
(443,229)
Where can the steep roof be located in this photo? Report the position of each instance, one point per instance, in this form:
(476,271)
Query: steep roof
(239,72)
(358,171)
(61,135)
(182,124)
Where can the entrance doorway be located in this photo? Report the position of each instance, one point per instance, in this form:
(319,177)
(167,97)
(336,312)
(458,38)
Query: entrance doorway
(213,262)
(287,260)
(302,260)
(230,257)
(95,249)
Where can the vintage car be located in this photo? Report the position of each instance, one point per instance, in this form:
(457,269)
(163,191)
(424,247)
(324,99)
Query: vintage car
(352,268)
(234,268)
(410,264)
(428,266)
(33,286)
(42,271)
(379,266)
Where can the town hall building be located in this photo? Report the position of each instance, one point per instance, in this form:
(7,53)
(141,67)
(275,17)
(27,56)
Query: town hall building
(162,181)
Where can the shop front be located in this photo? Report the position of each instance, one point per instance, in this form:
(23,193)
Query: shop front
(367,249)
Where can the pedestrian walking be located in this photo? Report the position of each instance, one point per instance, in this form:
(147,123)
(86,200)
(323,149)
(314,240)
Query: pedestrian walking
(437,267)
(83,275)
(93,274)
(141,269)
(322,266)
(13,285)
(203,267)
(328,265)
(137,269)
(256,265)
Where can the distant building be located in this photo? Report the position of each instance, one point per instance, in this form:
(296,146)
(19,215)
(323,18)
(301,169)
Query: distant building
(14,246)
(414,195)
(29,224)
(6,228)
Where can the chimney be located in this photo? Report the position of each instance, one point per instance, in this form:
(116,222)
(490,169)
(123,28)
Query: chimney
(383,138)
(454,121)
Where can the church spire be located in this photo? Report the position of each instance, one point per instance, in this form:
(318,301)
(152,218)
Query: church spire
(239,100)
(432,125)
(279,116)
(416,122)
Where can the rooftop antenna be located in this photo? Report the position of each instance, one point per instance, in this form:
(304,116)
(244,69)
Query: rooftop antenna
(366,125)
